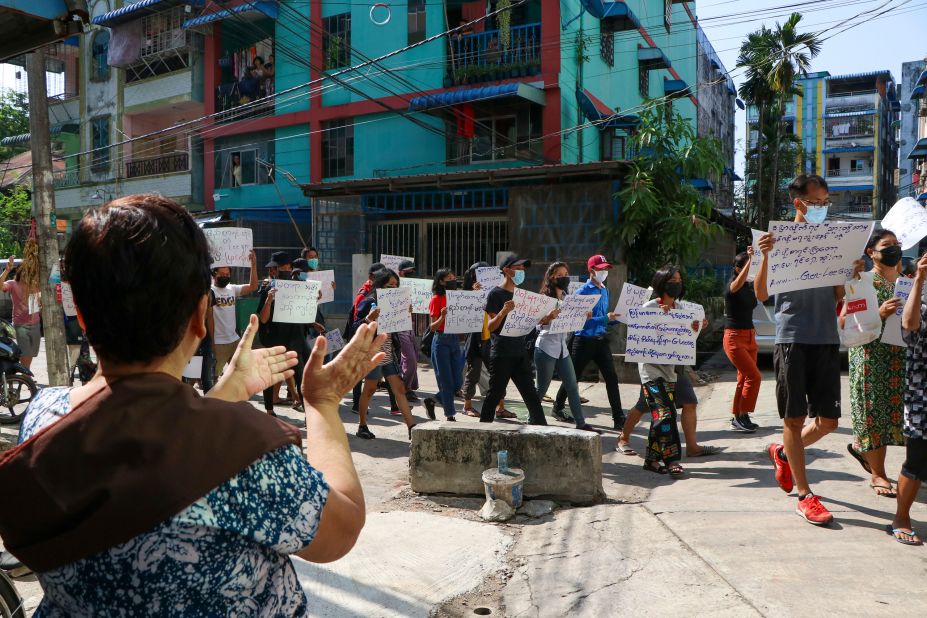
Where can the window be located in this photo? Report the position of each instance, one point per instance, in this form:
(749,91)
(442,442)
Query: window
(857,165)
(338,148)
(495,139)
(833,166)
(336,42)
(643,81)
(512,135)
(99,51)
(607,42)
(416,21)
(613,146)
(667,13)
(242,168)
(100,130)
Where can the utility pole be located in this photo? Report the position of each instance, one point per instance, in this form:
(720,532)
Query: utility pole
(43,211)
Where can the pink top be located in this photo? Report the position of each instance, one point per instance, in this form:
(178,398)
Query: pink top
(21,315)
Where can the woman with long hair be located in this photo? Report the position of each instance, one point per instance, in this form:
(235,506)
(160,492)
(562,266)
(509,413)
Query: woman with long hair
(24,290)
(445,348)
(551,350)
(740,342)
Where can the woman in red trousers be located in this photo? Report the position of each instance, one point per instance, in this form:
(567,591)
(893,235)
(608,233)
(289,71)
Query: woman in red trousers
(740,342)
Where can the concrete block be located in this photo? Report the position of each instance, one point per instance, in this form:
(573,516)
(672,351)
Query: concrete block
(559,463)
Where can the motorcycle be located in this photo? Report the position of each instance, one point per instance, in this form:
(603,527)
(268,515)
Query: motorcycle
(11,604)
(17,386)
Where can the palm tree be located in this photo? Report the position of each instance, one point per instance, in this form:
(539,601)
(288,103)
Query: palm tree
(754,57)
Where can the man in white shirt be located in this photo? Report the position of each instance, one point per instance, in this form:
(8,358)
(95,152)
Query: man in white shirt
(220,320)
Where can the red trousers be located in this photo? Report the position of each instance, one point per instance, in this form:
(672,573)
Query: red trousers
(740,347)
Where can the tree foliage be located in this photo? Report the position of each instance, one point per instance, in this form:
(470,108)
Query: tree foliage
(664,218)
(15,220)
(14,119)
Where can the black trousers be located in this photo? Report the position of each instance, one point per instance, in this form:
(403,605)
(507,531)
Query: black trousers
(518,370)
(299,347)
(587,350)
(356,393)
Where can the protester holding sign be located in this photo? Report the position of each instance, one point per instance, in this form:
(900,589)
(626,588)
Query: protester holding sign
(288,335)
(362,293)
(876,386)
(806,358)
(388,368)
(221,318)
(740,342)
(508,354)
(477,348)
(551,351)
(445,348)
(408,350)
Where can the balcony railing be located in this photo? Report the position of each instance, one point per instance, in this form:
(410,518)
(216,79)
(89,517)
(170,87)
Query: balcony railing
(66,178)
(178,162)
(482,57)
(849,173)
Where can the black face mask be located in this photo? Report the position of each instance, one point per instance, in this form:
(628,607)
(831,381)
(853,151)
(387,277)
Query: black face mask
(223,281)
(890,256)
(451,285)
(674,290)
(284,274)
(563,283)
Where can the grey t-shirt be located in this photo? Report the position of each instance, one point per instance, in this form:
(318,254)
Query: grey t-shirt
(807,316)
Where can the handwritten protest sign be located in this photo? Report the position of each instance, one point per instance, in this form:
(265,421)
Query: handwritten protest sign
(420,292)
(489,277)
(34,305)
(335,340)
(813,256)
(529,309)
(194,369)
(757,257)
(230,246)
(660,338)
(632,296)
(296,302)
(574,285)
(393,261)
(574,312)
(891,333)
(465,311)
(394,310)
(326,279)
(693,308)
(907,220)
(67,299)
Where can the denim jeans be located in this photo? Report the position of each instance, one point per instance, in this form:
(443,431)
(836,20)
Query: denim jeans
(447,360)
(545,364)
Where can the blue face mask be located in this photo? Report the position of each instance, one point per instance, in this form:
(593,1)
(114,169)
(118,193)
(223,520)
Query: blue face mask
(303,276)
(313,263)
(816,214)
(519,277)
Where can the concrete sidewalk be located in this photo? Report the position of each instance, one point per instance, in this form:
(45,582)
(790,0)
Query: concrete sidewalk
(722,541)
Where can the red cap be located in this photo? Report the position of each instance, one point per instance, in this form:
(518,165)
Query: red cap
(598,262)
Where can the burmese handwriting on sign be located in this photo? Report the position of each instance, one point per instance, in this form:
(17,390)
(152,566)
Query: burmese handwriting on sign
(694,308)
(574,311)
(489,277)
(296,302)
(891,333)
(657,337)
(907,220)
(327,280)
(392,262)
(465,311)
(194,369)
(335,340)
(67,299)
(529,309)
(574,285)
(34,306)
(420,292)
(757,257)
(230,246)
(632,297)
(809,255)
(393,304)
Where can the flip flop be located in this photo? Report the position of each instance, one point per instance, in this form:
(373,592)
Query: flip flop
(660,469)
(889,494)
(858,457)
(707,451)
(676,470)
(895,532)
(471,413)
(625,449)
(503,413)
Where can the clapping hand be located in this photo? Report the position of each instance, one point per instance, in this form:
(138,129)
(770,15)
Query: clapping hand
(252,371)
(325,384)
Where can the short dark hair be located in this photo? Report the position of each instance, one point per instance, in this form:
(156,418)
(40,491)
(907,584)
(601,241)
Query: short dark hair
(741,259)
(375,268)
(113,258)
(258,59)
(436,287)
(382,277)
(307,250)
(878,235)
(801,183)
(469,278)
(662,277)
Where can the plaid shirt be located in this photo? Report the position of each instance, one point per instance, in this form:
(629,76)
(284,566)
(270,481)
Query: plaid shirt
(915,390)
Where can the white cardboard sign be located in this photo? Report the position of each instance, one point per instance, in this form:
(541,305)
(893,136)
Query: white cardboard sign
(465,311)
(393,261)
(67,299)
(657,337)
(757,257)
(632,296)
(335,340)
(489,277)
(693,308)
(194,369)
(394,310)
(230,246)
(891,333)
(574,285)
(907,220)
(419,291)
(296,302)
(327,280)
(807,255)
(574,311)
(529,309)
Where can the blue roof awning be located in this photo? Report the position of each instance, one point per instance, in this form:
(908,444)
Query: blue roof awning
(471,95)
(702,184)
(918,92)
(675,87)
(848,149)
(920,149)
(138,10)
(652,58)
(611,10)
(865,112)
(605,117)
(922,80)
(835,189)
(268,9)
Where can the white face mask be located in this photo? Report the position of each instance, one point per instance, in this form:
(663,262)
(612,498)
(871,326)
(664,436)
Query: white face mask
(601,275)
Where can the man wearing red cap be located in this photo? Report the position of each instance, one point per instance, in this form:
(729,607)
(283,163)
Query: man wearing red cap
(591,345)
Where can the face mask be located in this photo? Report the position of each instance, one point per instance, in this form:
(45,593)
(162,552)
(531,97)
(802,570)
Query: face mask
(816,214)
(563,283)
(284,274)
(601,275)
(450,285)
(519,277)
(303,276)
(890,255)
(674,290)
(223,281)
(313,263)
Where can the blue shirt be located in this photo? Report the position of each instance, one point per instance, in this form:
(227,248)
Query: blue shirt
(598,323)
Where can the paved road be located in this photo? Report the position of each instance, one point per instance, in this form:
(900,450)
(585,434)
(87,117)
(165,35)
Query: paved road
(724,541)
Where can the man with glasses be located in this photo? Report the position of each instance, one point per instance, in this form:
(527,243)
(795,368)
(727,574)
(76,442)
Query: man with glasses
(806,358)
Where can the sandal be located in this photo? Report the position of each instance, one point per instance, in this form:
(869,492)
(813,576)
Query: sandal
(503,413)
(897,532)
(659,469)
(676,470)
(471,412)
(888,493)
(858,457)
(589,428)
(625,449)
(707,451)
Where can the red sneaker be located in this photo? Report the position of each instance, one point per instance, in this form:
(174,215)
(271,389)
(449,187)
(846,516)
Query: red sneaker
(813,511)
(783,469)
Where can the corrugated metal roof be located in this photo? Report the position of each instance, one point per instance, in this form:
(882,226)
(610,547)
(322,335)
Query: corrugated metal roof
(267,8)
(861,75)
(137,10)
(468,95)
